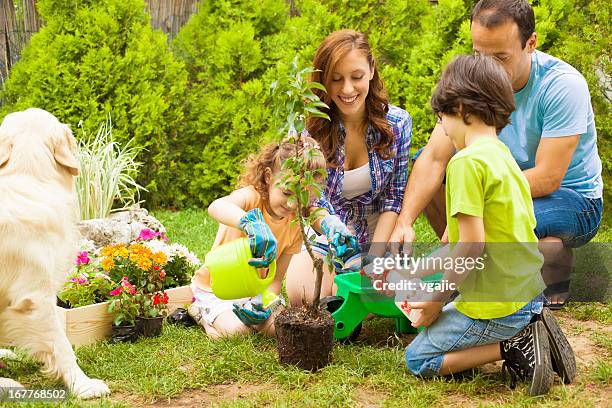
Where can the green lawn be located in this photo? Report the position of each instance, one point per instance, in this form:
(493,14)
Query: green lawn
(184,367)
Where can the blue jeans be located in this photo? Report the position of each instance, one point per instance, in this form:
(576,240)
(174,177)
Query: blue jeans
(455,331)
(568,215)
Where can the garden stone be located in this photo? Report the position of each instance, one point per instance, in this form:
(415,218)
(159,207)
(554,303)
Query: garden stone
(120,227)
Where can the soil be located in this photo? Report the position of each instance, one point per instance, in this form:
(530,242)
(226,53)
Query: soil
(192,398)
(302,340)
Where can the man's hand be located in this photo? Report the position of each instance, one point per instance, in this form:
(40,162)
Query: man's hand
(444,238)
(403,236)
(429,312)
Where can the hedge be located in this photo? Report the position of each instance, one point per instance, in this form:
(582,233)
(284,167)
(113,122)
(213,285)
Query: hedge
(201,105)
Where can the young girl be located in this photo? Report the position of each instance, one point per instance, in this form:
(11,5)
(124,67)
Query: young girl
(366,144)
(261,211)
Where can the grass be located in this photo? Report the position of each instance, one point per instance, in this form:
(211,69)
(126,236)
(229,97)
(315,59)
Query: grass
(244,371)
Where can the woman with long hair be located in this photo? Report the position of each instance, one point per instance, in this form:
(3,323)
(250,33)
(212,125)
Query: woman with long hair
(366,145)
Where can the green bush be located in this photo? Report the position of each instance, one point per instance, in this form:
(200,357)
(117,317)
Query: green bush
(98,57)
(200,112)
(232,51)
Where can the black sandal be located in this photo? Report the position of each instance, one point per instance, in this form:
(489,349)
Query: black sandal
(558,288)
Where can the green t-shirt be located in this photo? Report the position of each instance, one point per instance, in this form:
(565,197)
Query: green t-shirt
(483,180)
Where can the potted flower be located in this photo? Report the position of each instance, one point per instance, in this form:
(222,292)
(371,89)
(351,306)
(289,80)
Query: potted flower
(141,265)
(86,285)
(153,309)
(181,263)
(125,308)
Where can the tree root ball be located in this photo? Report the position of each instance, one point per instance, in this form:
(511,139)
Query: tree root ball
(304,340)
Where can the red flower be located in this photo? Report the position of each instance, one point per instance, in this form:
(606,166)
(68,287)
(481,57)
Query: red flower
(156,299)
(116,291)
(165,300)
(156,267)
(162,274)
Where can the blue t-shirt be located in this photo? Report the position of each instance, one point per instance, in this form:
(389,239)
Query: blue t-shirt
(556,103)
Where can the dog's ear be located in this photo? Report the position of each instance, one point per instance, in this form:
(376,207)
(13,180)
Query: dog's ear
(63,151)
(5,151)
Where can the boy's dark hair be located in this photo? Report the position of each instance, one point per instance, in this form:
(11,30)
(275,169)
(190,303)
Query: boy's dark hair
(493,13)
(475,85)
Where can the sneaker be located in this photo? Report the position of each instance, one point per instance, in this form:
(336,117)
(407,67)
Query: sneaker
(527,357)
(562,355)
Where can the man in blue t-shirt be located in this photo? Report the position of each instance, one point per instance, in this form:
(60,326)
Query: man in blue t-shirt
(552,137)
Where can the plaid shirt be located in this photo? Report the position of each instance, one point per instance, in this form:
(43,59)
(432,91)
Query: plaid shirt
(389,177)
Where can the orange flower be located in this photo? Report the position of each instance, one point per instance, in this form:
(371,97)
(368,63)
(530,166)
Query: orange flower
(114,250)
(144,264)
(160,258)
(122,252)
(107,264)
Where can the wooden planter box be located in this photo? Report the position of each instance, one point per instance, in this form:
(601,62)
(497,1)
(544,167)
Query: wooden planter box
(89,324)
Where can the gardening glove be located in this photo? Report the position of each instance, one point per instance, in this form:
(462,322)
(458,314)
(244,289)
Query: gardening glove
(252,312)
(341,241)
(261,239)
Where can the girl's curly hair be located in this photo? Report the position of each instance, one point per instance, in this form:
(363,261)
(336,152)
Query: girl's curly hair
(272,156)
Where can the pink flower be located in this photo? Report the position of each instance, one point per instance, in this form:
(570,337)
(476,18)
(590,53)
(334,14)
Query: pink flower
(82,258)
(128,286)
(147,234)
(116,291)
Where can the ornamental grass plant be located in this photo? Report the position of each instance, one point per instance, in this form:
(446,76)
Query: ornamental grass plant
(107,181)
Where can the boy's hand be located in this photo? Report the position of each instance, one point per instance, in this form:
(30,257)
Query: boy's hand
(429,312)
(341,241)
(261,239)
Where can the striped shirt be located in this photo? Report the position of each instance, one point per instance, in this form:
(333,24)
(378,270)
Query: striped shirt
(389,177)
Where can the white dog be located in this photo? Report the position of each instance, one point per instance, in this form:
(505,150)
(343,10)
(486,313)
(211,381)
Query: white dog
(38,241)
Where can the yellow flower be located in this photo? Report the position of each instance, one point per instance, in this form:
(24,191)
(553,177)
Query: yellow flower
(160,258)
(107,264)
(122,252)
(145,264)
(114,250)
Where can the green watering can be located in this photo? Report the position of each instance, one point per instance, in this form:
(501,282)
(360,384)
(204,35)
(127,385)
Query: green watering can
(231,276)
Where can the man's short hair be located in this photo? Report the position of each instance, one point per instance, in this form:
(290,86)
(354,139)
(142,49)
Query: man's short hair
(493,13)
(475,85)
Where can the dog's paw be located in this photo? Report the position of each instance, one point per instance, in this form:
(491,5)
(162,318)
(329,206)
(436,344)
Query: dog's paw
(9,383)
(7,354)
(90,388)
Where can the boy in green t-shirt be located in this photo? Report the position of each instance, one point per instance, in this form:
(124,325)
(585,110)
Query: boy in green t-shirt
(499,312)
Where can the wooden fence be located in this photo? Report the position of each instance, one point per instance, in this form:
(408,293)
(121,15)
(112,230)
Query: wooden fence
(171,15)
(19,20)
